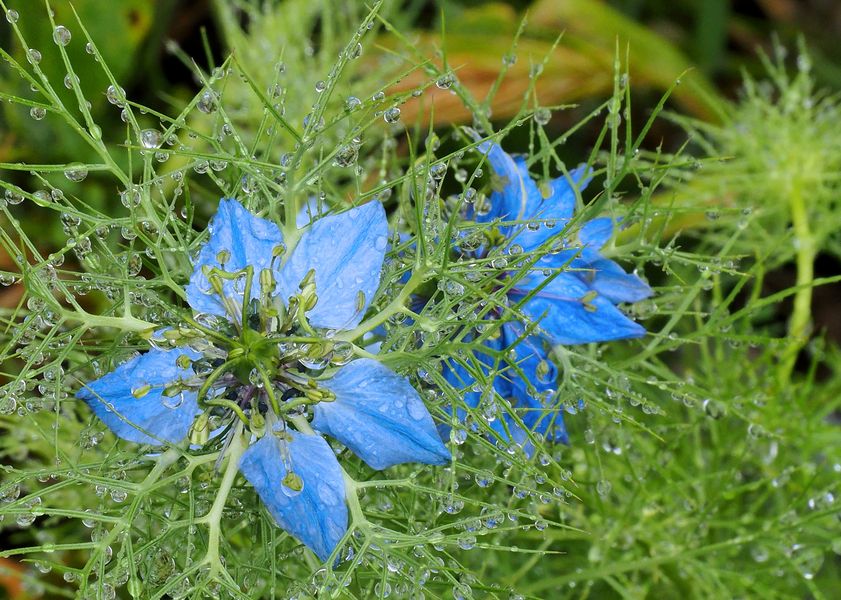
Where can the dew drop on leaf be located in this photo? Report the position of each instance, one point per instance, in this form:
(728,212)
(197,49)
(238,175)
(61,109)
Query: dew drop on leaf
(61,35)
(150,138)
(392,115)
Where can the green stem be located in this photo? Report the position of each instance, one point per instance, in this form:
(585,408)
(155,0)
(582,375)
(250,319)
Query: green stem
(358,517)
(207,331)
(267,385)
(126,323)
(799,323)
(163,462)
(214,375)
(230,405)
(246,297)
(302,425)
(213,519)
(397,305)
(292,404)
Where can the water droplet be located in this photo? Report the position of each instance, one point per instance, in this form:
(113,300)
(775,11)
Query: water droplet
(150,138)
(467,542)
(61,35)
(346,155)
(352,103)
(445,82)
(542,116)
(89,48)
(8,404)
(714,408)
(37,112)
(392,115)
(458,436)
(76,172)
(437,171)
(320,86)
(12,16)
(33,56)
(603,487)
(207,102)
(25,520)
(808,561)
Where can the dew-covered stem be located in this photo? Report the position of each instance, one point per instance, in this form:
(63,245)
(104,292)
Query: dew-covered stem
(213,519)
(805,252)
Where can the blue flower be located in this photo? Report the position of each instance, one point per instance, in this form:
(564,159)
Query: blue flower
(567,296)
(260,353)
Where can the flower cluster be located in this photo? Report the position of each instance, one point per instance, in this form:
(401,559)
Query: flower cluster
(568,295)
(264,366)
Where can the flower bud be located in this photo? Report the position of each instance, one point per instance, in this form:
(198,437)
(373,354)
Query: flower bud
(200,431)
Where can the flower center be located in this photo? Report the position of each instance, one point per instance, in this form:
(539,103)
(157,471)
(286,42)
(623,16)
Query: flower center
(264,363)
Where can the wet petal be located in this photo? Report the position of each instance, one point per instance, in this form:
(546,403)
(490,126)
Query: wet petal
(379,416)
(596,233)
(346,251)
(599,274)
(512,187)
(532,359)
(242,239)
(461,379)
(316,514)
(570,312)
(611,281)
(151,418)
(556,210)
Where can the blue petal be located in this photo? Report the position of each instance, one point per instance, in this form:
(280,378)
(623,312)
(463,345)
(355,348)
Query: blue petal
(512,189)
(598,273)
(380,416)
(460,378)
(611,281)
(152,418)
(596,233)
(248,240)
(556,210)
(531,356)
(569,314)
(317,514)
(308,213)
(346,251)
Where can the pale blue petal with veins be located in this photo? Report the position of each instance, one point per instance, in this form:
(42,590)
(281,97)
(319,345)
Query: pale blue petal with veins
(150,418)
(316,514)
(379,416)
(244,239)
(347,252)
